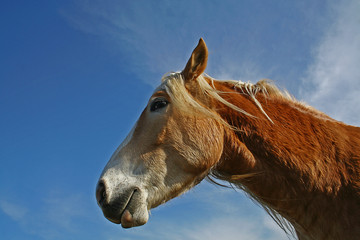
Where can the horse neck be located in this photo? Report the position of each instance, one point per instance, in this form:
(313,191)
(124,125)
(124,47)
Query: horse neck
(300,166)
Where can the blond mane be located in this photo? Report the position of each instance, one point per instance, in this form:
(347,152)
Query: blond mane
(175,86)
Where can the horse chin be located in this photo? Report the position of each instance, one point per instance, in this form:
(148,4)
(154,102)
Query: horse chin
(134,215)
(129,220)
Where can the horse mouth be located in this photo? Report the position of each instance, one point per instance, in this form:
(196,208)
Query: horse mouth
(122,215)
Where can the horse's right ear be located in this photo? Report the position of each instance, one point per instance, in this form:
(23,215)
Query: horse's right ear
(197,62)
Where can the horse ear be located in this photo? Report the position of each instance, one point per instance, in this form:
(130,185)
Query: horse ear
(197,62)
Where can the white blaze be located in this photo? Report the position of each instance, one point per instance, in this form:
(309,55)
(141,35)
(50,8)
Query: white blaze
(119,170)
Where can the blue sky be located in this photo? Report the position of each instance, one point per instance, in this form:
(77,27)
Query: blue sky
(75,76)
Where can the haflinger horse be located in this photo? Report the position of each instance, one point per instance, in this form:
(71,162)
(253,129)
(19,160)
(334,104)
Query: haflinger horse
(300,165)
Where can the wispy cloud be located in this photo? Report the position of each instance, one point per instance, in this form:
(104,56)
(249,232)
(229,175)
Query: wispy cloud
(13,210)
(157,37)
(55,217)
(150,43)
(62,210)
(234,217)
(220,227)
(228,228)
(333,80)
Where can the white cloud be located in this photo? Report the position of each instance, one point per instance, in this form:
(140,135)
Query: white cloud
(333,80)
(14,211)
(221,227)
(245,71)
(234,216)
(157,37)
(62,209)
(150,43)
(228,228)
(54,218)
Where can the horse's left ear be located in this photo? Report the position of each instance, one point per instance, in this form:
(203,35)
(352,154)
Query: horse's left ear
(197,62)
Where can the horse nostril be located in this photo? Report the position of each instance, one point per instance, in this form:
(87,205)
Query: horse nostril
(101,193)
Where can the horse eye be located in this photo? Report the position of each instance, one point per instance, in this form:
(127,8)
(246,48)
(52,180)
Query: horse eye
(158,104)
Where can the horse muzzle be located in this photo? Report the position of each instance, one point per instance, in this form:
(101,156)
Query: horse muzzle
(122,205)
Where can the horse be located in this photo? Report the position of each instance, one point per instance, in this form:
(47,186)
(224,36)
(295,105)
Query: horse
(300,165)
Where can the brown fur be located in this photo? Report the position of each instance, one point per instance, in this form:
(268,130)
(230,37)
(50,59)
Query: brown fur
(304,166)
